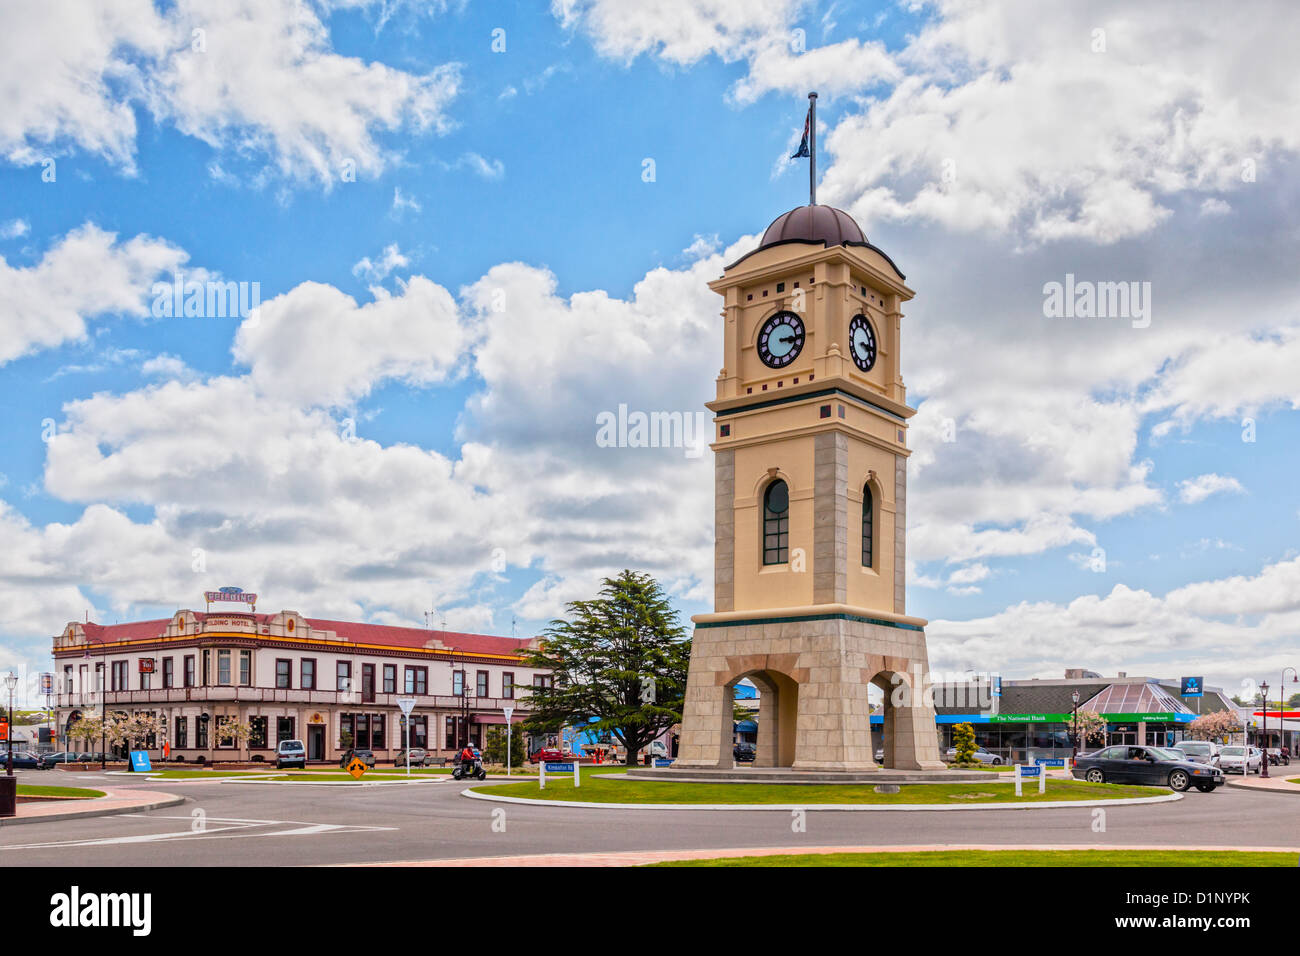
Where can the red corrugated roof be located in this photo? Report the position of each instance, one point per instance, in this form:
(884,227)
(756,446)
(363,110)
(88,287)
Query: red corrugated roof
(358,633)
(131,631)
(419,636)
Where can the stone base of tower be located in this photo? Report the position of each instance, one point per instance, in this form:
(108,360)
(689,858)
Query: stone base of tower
(812,667)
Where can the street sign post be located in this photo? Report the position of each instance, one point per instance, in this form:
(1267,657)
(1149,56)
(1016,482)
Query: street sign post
(407,704)
(1023,772)
(510,712)
(557,768)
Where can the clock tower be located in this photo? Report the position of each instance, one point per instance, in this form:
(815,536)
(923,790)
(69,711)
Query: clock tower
(810,503)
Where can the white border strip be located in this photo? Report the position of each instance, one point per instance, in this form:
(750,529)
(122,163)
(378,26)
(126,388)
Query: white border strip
(787,807)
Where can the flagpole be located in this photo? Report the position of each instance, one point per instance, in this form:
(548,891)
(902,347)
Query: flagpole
(812,149)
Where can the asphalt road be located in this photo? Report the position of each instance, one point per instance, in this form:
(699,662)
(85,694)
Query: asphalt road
(259,825)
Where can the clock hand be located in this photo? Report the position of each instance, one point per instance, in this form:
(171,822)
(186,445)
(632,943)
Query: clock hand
(788,338)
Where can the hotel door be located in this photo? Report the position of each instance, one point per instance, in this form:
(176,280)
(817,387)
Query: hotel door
(315,741)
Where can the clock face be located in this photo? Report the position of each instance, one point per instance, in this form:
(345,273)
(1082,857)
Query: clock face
(862,342)
(780,340)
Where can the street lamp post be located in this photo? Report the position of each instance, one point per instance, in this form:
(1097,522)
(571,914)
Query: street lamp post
(1281,706)
(11,682)
(1263,770)
(1074,755)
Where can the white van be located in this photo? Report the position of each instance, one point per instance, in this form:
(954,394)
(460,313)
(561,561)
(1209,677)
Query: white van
(1200,751)
(290,753)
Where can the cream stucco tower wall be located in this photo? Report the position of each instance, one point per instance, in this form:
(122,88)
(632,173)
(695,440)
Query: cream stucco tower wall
(814,631)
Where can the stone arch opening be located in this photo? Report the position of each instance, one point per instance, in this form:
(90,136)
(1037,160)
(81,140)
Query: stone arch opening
(778,715)
(897,688)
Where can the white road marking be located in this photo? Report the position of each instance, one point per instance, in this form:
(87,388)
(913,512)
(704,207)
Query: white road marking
(225,828)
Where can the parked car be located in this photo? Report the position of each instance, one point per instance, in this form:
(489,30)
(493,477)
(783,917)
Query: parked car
(981,754)
(23,760)
(553,755)
(1202,751)
(744,753)
(290,753)
(367,757)
(416,757)
(1153,766)
(62,756)
(1242,760)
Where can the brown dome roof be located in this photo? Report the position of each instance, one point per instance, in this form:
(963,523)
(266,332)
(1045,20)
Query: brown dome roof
(825,224)
(816,224)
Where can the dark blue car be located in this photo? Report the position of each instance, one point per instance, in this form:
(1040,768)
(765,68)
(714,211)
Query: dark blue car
(1152,766)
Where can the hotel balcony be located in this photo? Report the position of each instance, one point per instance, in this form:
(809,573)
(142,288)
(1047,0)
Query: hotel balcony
(220,694)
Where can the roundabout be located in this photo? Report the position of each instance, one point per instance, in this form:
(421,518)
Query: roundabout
(337,825)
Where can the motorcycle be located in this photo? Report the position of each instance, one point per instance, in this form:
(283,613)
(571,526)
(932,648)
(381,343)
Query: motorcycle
(461,771)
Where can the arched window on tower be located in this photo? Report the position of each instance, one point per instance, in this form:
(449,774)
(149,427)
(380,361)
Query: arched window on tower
(868,528)
(776,523)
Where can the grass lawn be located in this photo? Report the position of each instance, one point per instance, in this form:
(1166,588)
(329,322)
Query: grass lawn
(202,774)
(595,790)
(961,858)
(71,793)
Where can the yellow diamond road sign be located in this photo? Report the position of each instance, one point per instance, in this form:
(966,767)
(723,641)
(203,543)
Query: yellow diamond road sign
(357,767)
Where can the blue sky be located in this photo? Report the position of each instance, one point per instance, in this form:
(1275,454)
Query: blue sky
(386,440)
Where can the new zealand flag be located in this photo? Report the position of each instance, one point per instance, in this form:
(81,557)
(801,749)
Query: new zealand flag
(803,143)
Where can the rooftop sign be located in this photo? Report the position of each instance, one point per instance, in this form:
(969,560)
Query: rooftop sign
(238,595)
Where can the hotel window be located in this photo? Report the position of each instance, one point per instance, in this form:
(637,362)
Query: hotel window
(417,680)
(146,677)
(419,731)
(223,668)
(481,684)
(449,733)
(82,675)
(284,728)
(119,675)
(283,673)
(343,674)
(361,731)
(67,679)
(543,681)
(207,667)
(458,684)
(223,738)
(257,733)
(308,673)
(390,678)
(182,731)
(189,670)
(868,528)
(169,672)
(200,734)
(776,523)
(508,685)
(245,668)
(99,677)
(377,728)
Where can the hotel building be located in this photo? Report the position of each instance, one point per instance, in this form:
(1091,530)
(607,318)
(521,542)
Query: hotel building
(291,677)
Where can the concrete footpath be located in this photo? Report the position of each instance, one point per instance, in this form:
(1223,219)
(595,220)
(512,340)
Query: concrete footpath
(1277,780)
(644,857)
(113,801)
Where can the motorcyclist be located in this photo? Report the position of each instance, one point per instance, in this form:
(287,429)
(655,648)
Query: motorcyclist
(467,759)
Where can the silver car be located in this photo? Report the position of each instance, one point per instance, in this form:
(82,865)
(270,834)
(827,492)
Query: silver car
(419,757)
(982,755)
(1242,760)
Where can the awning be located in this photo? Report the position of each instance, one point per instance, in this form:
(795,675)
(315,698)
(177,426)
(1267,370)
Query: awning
(488,719)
